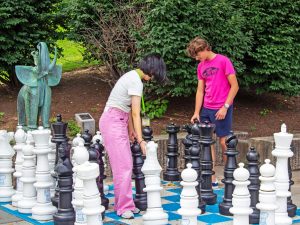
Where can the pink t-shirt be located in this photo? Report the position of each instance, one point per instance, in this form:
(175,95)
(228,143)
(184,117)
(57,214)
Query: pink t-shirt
(214,72)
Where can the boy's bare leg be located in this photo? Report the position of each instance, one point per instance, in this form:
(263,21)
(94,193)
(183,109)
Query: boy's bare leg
(213,155)
(223,146)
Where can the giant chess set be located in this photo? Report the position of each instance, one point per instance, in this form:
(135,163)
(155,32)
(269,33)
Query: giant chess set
(54,180)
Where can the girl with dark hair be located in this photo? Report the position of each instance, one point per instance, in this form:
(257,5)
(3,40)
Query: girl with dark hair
(121,122)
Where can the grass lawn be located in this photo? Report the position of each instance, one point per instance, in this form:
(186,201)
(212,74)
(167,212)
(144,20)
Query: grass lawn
(72,56)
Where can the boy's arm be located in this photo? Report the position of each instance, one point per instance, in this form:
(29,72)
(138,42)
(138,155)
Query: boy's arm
(199,100)
(234,87)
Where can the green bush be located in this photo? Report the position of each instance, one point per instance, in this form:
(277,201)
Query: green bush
(73,128)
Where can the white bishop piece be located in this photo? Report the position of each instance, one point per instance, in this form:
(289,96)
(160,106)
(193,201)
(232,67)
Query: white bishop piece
(43,210)
(80,156)
(241,196)
(267,194)
(6,170)
(92,208)
(282,152)
(20,138)
(151,169)
(189,201)
(28,199)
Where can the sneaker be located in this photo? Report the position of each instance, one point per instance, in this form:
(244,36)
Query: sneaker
(215,185)
(136,211)
(127,215)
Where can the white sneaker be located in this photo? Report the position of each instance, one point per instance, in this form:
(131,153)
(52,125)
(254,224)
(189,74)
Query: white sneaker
(127,215)
(136,211)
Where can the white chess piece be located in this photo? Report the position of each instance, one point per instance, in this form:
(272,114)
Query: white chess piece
(97,136)
(189,201)
(51,159)
(78,139)
(20,138)
(267,195)
(80,156)
(151,169)
(241,196)
(28,199)
(282,152)
(6,170)
(92,208)
(43,209)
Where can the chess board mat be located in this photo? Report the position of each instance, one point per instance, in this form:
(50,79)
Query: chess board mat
(170,203)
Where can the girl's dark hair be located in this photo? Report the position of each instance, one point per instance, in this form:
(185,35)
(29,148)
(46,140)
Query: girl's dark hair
(154,65)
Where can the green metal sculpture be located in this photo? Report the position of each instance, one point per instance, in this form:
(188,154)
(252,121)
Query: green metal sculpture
(34,98)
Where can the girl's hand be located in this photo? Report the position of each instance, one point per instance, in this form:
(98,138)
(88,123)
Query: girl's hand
(132,135)
(143,147)
(220,115)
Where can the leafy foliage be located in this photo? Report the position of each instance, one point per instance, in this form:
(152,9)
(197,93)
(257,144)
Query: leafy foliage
(73,128)
(24,23)
(156,108)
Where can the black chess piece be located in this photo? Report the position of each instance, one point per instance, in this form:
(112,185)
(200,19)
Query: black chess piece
(147,133)
(87,137)
(195,161)
(231,165)
(187,142)
(65,214)
(59,130)
(206,140)
(253,163)
(139,178)
(172,173)
(291,207)
(99,148)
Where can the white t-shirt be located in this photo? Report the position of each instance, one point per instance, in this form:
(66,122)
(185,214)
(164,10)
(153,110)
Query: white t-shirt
(128,85)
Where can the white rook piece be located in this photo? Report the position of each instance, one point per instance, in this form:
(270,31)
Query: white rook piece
(151,169)
(20,138)
(189,201)
(241,196)
(80,156)
(6,154)
(43,210)
(267,194)
(28,199)
(282,152)
(92,208)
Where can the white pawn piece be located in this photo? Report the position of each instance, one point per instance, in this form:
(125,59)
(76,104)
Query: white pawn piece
(6,170)
(28,199)
(43,210)
(189,201)
(267,195)
(78,139)
(92,208)
(80,156)
(282,152)
(20,138)
(51,159)
(29,137)
(96,137)
(241,196)
(151,169)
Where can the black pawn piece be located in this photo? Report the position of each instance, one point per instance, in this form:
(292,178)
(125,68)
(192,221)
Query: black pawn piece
(99,149)
(206,140)
(87,137)
(187,142)
(195,161)
(147,133)
(172,173)
(139,178)
(230,166)
(59,130)
(65,214)
(291,207)
(252,158)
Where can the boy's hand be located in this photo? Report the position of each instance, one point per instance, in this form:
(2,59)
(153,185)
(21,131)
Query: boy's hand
(220,115)
(195,116)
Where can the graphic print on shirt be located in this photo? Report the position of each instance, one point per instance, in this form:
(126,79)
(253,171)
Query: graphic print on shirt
(210,71)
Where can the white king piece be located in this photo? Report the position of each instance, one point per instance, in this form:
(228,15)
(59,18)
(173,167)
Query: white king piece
(282,152)
(151,169)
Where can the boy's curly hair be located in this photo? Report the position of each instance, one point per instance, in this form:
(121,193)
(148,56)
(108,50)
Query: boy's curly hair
(197,45)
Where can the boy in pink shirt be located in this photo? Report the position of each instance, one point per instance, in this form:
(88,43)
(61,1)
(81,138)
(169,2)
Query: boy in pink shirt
(217,87)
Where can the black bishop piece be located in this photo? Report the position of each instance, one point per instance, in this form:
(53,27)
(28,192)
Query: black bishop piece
(172,173)
(230,166)
(253,163)
(206,140)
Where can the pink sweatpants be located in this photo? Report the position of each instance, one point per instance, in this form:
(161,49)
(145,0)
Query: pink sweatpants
(114,129)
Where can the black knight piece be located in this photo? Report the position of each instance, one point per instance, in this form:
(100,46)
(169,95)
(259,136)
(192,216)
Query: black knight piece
(206,140)
(252,158)
(139,178)
(172,173)
(231,165)
(187,142)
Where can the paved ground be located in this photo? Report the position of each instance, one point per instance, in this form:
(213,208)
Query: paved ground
(9,219)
